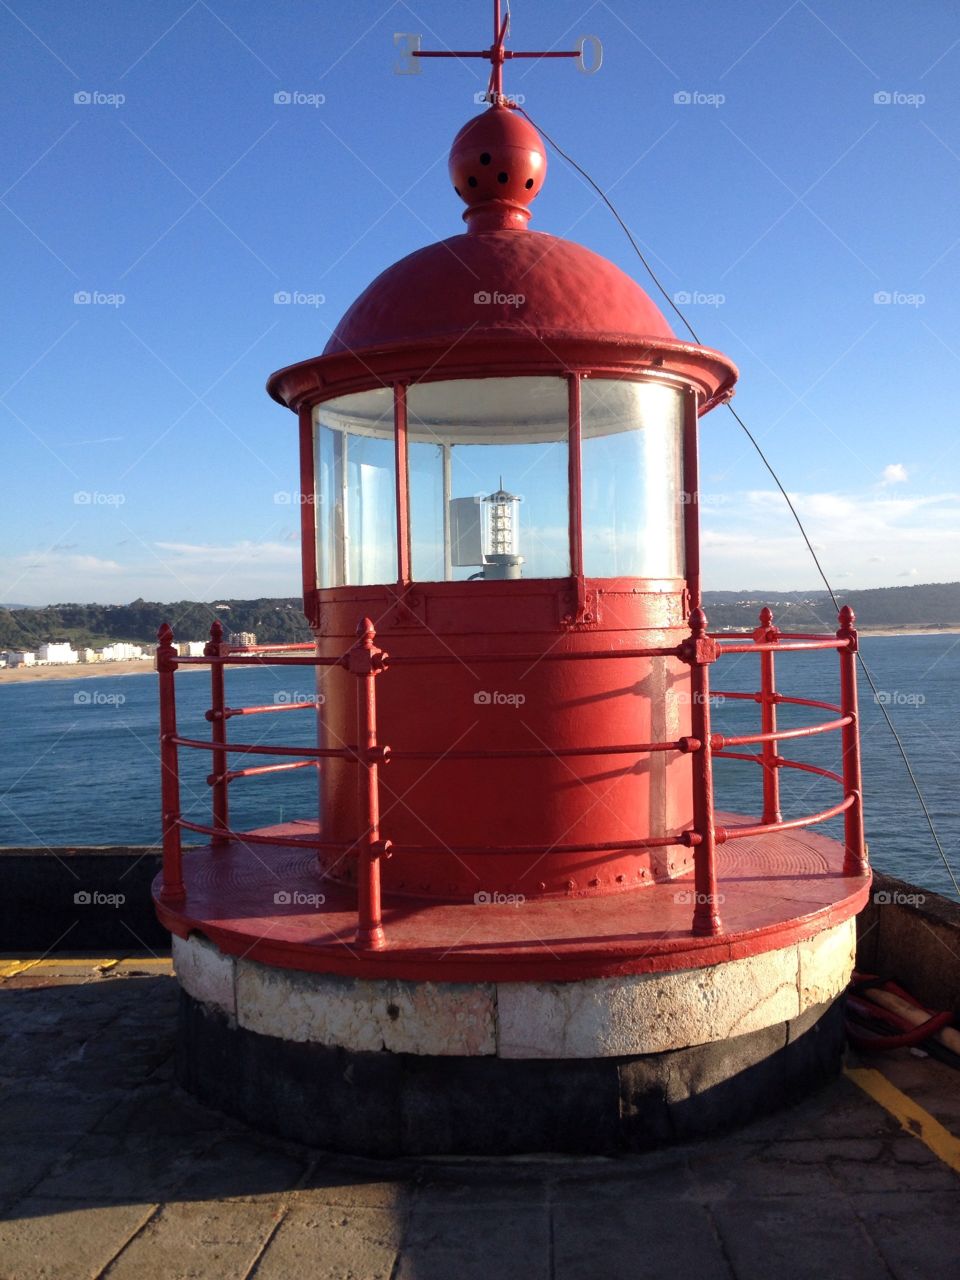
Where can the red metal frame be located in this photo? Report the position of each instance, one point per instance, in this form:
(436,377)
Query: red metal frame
(366,661)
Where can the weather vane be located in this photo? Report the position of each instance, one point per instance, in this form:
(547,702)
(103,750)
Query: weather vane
(496,55)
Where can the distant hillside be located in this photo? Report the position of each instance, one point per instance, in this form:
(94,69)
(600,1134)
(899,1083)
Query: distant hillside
(274,621)
(277,621)
(925,605)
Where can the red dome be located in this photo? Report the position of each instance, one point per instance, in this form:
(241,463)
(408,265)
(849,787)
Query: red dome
(495,282)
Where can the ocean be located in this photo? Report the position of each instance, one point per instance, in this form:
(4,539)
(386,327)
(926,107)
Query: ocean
(79,758)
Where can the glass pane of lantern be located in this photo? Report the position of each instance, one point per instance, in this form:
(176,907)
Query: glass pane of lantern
(632,479)
(488,478)
(356,490)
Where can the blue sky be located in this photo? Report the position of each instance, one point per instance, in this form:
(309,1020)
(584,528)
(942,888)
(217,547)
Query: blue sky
(783,199)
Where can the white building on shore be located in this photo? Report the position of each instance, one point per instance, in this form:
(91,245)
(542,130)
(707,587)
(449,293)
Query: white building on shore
(57,653)
(18,658)
(120,652)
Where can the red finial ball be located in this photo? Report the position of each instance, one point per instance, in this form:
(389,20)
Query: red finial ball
(497,166)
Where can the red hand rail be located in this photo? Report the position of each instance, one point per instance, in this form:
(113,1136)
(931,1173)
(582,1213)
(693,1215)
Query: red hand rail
(366,661)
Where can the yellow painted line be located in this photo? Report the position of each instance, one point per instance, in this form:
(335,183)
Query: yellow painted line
(911,1116)
(18,966)
(104,964)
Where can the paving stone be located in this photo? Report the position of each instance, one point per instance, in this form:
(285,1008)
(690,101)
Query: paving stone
(241,1166)
(23,1164)
(51,1240)
(631,1239)
(751,1171)
(199,1241)
(446,1240)
(917,1233)
(904,1165)
(38,1109)
(332,1243)
(655,1175)
(331,1185)
(114,1167)
(803,1238)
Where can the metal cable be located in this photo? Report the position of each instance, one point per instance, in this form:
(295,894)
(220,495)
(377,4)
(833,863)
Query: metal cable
(776,479)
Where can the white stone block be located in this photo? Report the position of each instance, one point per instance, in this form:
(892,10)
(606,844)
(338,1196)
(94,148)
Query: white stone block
(205,972)
(365,1014)
(826,963)
(647,1013)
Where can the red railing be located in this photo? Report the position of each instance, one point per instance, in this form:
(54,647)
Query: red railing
(365,661)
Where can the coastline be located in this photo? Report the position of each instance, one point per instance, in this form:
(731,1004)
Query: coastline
(136,666)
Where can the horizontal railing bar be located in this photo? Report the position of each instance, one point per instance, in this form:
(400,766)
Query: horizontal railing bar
(792,646)
(257,769)
(295,842)
(536,850)
(781,763)
(778,699)
(245,748)
(418,660)
(543,753)
(788,824)
(237,660)
(783,635)
(230,712)
(719,741)
(651,842)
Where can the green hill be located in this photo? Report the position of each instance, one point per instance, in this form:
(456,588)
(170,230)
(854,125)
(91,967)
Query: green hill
(281,621)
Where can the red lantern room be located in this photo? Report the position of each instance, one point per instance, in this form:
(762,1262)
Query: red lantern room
(498,438)
(501,569)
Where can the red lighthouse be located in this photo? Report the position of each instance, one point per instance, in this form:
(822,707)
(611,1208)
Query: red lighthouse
(516,920)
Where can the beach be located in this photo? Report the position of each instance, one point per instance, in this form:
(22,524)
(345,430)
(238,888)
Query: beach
(76,671)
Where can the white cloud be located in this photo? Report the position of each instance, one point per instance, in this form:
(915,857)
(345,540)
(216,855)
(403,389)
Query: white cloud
(895,473)
(163,571)
(868,539)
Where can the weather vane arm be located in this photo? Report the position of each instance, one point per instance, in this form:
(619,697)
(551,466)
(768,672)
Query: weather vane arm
(497,54)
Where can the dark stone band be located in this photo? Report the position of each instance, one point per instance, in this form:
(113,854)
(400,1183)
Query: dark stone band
(386,1104)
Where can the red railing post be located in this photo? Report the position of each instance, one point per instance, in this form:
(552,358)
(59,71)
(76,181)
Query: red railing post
(767,633)
(172,889)
(218,733)
(699,652)
(366,662)
(855,851)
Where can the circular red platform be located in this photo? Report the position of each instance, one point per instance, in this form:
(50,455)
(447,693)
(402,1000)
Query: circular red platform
(263,902)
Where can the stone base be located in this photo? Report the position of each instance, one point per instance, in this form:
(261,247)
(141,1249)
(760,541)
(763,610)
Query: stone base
(391,1067)
(384,1104)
